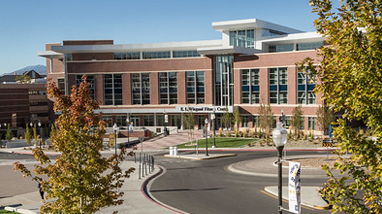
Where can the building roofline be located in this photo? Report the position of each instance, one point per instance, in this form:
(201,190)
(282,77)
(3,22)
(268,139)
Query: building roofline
(250,24)
(135,47)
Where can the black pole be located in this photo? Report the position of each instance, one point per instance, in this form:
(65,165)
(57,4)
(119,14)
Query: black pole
(206,142)
(279,152)
(115,142)
(213,125)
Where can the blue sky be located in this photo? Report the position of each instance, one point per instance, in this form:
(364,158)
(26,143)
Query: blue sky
(27,25)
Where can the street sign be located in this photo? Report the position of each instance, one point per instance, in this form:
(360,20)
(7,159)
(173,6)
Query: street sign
(327,143)
(131,128)
(294,187)
(111,140)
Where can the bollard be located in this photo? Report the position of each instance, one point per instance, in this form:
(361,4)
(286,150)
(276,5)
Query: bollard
(171,150)
(135,157)
(175,151)
(139,171)
(152,165)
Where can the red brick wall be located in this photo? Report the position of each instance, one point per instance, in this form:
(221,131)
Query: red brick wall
(182,88)
(154,88)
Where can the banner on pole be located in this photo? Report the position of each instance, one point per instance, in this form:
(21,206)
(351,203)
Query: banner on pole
(294,187)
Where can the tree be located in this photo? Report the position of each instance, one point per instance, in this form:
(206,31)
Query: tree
(189,122)
(324,118)
(23,79)
(266,120)
(237,117)
(297,120)
(9,134)
(80,180)
(350,74)
(227,119)
(35,135)
(28,135)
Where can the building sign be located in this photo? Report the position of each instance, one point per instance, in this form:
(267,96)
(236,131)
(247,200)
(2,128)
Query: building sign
(205,109)
(294,187)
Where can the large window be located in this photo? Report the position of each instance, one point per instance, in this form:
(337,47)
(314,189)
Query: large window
(185,54)
(90,80)
(140,84)
(278,85)
(113,89)
(61,84)
(309,46)
(281,48)
(250,79)
(305,88)
(195,87)
(312,123)
(168,88)
(245,121)
(242,38)
(125,56)
(156,55)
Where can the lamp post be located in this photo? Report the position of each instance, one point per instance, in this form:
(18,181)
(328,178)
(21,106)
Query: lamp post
(165,121)
(280,137)
(116,130)
(128,129)
(206,122)
(39,127)
(213,126)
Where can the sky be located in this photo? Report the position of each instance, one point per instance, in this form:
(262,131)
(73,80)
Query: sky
(27,25)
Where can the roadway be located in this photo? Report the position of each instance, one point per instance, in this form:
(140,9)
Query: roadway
(206,187)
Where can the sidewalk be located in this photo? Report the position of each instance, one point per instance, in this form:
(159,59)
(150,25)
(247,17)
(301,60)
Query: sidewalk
(135,199)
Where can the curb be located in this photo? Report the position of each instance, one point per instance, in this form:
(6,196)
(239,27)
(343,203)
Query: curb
(19,210)
(147,184)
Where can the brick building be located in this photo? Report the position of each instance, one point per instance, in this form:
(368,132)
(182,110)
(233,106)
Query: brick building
(253,63)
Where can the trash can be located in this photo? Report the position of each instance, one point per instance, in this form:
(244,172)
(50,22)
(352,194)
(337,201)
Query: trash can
(175,151)
(171,150)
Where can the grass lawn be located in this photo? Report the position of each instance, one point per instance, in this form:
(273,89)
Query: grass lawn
(221,142)
(4,211)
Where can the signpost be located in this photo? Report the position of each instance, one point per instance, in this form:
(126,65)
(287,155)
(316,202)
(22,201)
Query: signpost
(294,187)
(111,140)
(327,144)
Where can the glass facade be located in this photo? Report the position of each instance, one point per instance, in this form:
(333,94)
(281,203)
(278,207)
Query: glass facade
(195,87)
(140,83)
(168,88)
(242,38)
(223,74)
(278,85)
(250,86)
(113,89)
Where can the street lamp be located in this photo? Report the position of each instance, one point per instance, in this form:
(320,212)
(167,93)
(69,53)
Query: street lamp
(128,129)
(116,130)
(206,122)
(280,137)
(165,121)
(213,126)
(282,118)
(39,127)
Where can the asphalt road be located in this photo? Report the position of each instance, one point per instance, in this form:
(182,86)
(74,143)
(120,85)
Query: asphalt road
(205,187)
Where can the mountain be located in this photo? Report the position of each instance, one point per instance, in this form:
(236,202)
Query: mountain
(41,69)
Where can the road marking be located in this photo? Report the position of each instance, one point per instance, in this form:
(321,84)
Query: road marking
(273,196)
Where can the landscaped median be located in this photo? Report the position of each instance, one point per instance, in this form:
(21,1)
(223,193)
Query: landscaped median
(219,142)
